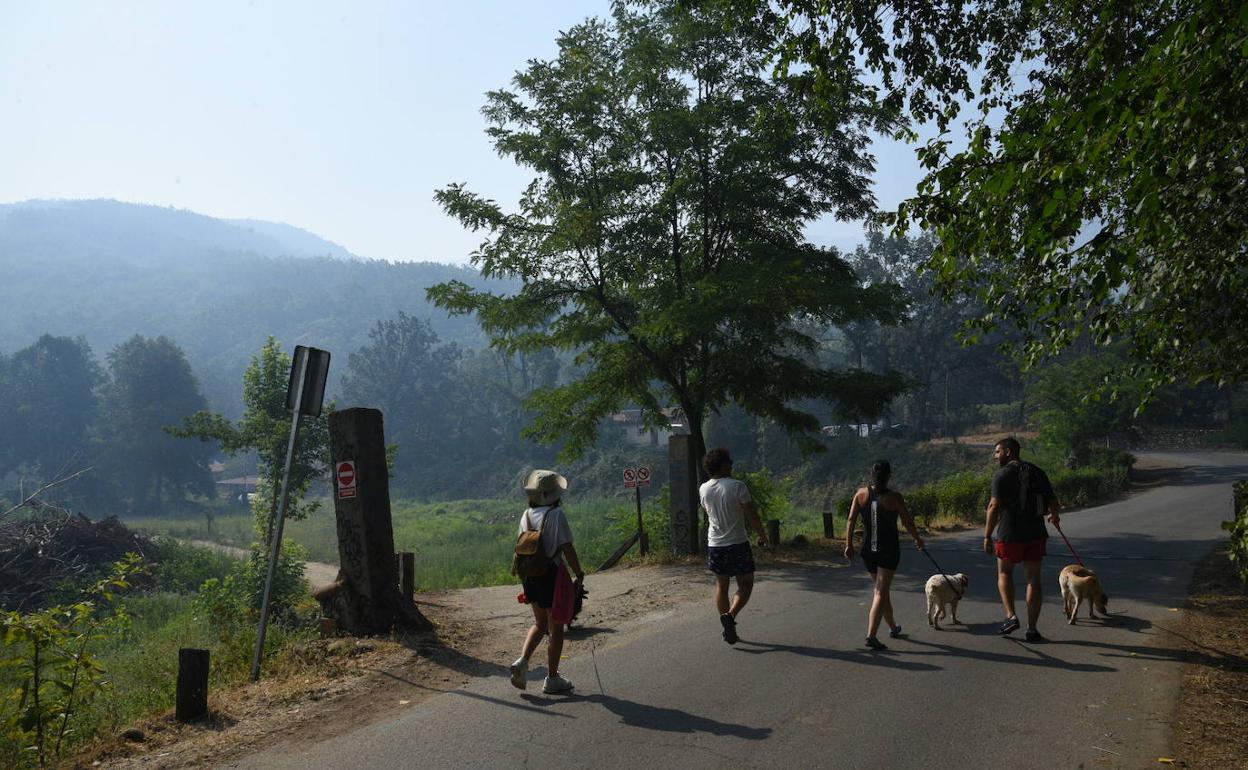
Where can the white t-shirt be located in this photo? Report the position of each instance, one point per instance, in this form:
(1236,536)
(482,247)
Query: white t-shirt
(557,531)
(724,502)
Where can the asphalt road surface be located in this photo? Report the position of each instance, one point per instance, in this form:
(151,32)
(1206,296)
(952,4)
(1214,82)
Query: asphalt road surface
(801,691)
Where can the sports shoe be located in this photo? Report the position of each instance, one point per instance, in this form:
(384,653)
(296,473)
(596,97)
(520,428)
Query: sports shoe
(1009,626)
(875,644)
(894,633)
(555,685)
(519,674)
(730,628)
(1034,637)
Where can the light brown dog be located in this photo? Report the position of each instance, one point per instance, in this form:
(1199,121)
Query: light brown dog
(1079,583)
(943,593)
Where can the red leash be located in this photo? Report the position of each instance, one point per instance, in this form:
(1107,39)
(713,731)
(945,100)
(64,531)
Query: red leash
(1068,545)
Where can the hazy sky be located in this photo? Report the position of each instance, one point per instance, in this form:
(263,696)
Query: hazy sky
(340,118)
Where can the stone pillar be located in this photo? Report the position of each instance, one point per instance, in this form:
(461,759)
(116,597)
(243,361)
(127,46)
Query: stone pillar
(365,599)
(683,477)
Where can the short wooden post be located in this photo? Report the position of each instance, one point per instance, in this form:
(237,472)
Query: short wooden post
(407,575)
(829,524)
(192,695)
(773,531)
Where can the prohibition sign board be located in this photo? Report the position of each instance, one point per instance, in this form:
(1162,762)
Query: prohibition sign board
(345,475)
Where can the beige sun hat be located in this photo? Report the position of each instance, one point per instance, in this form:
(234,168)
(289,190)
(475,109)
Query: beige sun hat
(544,487)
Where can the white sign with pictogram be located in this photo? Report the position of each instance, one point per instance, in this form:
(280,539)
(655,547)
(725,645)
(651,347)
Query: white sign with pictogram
(636,477)
(344,475)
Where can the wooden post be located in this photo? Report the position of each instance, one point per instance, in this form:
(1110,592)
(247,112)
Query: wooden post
(829,524)
(192,694)
(366,598)
(683,487)
(773,531)
(407,574)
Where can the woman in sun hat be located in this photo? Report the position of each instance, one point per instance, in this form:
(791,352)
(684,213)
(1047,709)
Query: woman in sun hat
(544,490)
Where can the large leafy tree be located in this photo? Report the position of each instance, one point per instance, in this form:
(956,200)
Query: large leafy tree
(943,373)
(662,236)
(150,387)
(1100,186)
(410,377)
(47,406)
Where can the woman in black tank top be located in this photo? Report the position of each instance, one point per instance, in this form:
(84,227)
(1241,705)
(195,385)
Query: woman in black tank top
(879,508)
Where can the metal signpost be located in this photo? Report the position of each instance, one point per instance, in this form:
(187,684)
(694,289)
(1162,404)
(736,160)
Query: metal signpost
(635,479)
(304,394)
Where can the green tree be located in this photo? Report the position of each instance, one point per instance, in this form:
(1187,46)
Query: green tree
(405,373)
(150,387)
(943,373)
(48,406)
(661,239)
(1101,190)
(265,429)
(1073,415)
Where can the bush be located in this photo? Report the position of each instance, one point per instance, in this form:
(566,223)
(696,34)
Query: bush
(772,497)
(1238,530)
(184,568)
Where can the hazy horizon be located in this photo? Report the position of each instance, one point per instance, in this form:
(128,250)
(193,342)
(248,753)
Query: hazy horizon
(338,119)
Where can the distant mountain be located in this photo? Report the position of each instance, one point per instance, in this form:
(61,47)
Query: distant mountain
(108,270)
(132,231)
(296,242)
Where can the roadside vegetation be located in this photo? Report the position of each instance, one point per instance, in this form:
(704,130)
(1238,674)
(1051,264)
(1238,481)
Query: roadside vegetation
(656,278)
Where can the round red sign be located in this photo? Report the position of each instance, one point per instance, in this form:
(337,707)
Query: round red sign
(346,474)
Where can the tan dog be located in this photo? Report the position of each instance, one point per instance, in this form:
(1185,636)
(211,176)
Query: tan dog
(941,594)
(1079,583)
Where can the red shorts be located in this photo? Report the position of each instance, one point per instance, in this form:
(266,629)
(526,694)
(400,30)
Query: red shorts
(1032,550)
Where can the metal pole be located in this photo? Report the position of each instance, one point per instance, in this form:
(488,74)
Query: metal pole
(275,551)
(641,529)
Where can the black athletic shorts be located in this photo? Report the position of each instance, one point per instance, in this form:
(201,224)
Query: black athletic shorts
(873,560)
(541,590)
(730,560)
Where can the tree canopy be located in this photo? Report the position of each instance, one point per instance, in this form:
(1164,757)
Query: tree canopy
(662,236)
(1099,188)
(149,388)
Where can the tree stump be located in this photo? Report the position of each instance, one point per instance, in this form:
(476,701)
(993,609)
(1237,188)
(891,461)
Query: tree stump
(366,598)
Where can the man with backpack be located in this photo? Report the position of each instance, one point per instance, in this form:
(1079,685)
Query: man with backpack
(1021,495)
(544,556)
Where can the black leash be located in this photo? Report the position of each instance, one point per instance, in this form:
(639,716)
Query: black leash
(941,571)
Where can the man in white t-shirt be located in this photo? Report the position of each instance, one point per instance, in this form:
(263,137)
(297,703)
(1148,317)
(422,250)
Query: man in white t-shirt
(729,508)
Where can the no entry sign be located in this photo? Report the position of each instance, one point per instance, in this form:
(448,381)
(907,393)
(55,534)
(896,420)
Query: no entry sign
(344,475)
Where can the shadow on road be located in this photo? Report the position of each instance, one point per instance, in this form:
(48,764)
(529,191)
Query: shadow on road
(1036,658)
(648,717)
(886,658)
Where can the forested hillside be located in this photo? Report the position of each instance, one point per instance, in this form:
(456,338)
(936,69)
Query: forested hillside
(107,270)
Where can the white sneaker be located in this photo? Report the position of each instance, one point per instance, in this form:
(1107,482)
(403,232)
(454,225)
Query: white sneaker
(519,672)
(555,685)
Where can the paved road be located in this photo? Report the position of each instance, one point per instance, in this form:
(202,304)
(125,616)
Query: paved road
(800,691)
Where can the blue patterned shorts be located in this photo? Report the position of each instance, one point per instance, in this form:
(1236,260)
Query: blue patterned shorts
(729,560)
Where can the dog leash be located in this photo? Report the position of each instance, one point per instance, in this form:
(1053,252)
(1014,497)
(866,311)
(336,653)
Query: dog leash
(1068,545)
(941,571)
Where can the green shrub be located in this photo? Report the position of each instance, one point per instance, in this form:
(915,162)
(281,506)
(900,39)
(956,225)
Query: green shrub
(52,671)
(772,497)
(182,568)
(1237,528)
